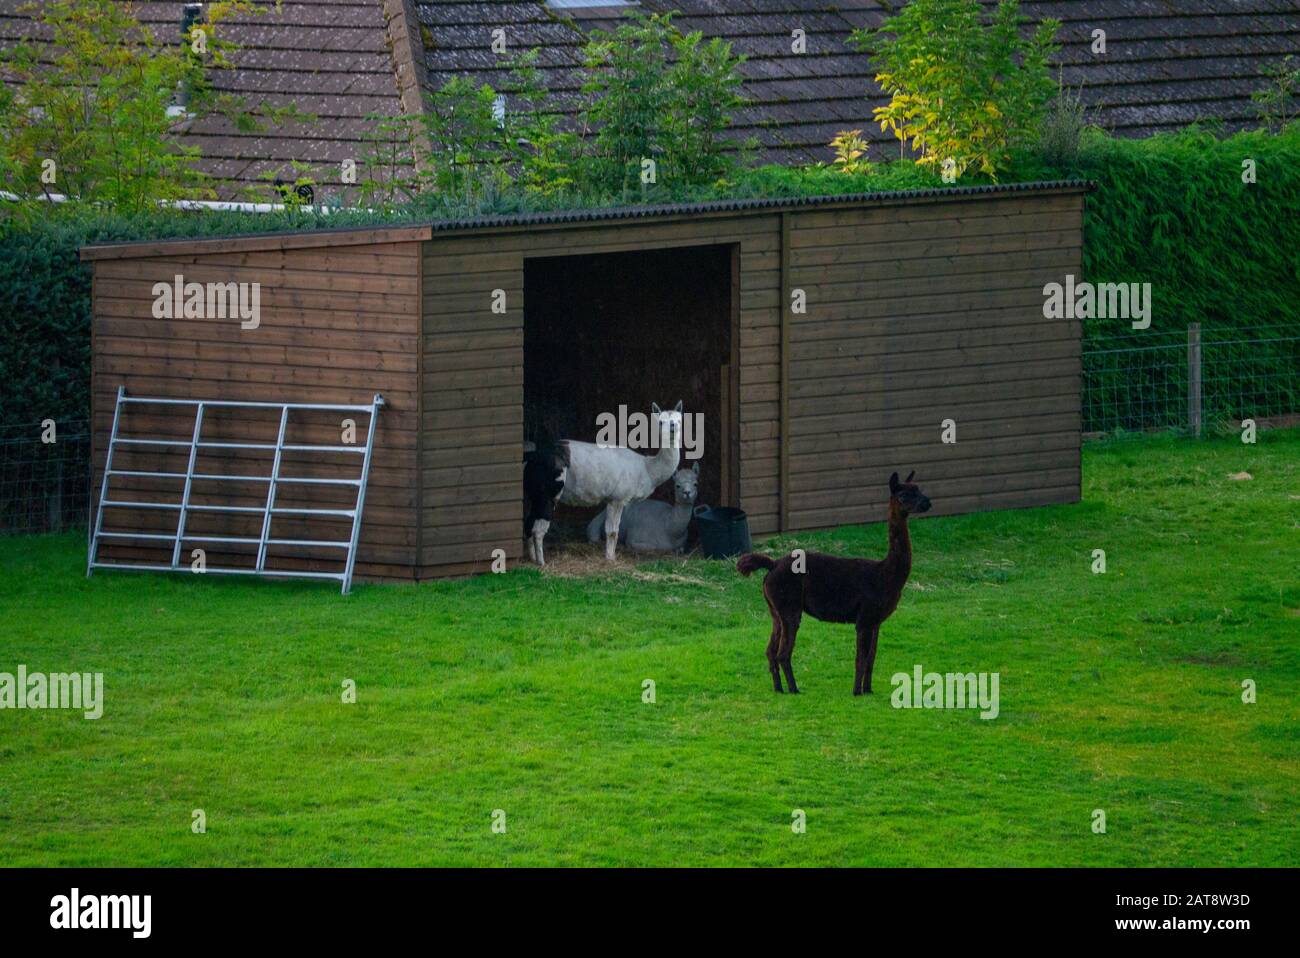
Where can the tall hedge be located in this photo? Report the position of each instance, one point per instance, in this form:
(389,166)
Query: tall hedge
(44,325)
(1172,210)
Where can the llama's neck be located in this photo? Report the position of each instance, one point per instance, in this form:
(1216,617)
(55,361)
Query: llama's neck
(898,561)
(663,464)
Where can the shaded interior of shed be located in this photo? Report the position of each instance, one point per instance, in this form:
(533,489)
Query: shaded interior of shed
(611,329)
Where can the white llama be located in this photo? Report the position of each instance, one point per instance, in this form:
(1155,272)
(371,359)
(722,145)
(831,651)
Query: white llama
(614,476)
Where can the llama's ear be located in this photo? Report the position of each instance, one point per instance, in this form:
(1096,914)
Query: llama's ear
(910,475)
(893,483)
(696,468)
(654,408)
(678,407)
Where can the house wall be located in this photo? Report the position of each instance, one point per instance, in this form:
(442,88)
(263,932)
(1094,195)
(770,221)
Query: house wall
(338,324)
(921,313)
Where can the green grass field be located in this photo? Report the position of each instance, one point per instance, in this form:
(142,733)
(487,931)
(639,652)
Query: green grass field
(523,692)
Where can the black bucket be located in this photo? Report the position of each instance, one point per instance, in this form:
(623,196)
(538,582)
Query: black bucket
(724,531)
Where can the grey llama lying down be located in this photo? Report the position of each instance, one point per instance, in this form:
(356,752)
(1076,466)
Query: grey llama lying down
(654,526)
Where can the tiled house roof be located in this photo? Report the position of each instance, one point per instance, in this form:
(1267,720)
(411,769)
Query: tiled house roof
(1167,63)
(1171,62)
(799,101)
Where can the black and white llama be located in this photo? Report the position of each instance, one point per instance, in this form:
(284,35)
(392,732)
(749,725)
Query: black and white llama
(615,476)
(544,474)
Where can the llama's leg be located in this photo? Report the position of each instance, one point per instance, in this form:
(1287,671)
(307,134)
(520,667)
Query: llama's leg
(789,629)
(774,643)
(532,547)
(613,514)
(773,649)
(540,528)
(774,646)
(860,663)
(871,657)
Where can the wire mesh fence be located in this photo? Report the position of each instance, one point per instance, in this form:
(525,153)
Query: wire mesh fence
(44,477)
(1191,379)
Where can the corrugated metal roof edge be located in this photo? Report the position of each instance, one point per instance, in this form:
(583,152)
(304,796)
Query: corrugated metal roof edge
(416,229)
(560,217)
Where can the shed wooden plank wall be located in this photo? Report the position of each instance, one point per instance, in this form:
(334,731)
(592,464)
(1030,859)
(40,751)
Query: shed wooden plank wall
(473,373)
(338,323)
(920,313)
(918,310)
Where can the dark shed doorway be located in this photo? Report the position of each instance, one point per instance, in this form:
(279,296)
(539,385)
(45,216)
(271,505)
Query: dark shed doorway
(634,328)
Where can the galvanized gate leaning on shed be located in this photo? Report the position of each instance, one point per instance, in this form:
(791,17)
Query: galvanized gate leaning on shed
(918,308)
(194,489)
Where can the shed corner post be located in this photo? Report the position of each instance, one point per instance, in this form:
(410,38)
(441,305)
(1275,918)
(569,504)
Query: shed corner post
(783,450)
(421,329)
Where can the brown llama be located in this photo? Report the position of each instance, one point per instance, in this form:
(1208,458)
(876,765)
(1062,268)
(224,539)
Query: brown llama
(862,591)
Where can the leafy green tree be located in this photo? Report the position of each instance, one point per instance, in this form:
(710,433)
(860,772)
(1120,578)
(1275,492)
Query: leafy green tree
(468,149)
(657,94)
(93,125)
(545,155)
(651,93)
(388,170)
(1279,102)
(962,87)
(628,99)
(703,91)
(93,115)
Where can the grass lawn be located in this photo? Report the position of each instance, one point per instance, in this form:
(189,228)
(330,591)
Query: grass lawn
(523,692)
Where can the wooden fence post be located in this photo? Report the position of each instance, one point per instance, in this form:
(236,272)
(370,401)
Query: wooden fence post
(54,506)
(1194,378)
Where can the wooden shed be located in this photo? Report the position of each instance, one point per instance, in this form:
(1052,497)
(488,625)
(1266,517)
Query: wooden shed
(825,340)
